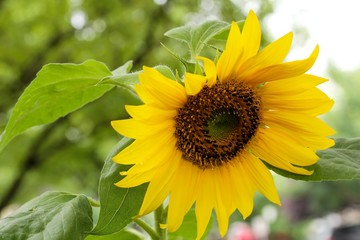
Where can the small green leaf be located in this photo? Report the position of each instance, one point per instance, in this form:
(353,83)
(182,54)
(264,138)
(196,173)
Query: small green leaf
(124,69)
(57,90)
(196,36)
(187,229)
(166,71)
(223,35)
(125,234)
(128,80)
(125,81)
(53,215)
(117,205)
(341,162)
(186,65)
(121,77)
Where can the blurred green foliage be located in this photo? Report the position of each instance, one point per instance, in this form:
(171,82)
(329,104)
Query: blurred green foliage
(345,116)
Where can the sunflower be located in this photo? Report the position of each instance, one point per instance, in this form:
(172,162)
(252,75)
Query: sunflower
(204,142)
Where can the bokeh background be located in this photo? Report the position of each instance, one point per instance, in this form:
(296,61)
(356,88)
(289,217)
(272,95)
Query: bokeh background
(68,155)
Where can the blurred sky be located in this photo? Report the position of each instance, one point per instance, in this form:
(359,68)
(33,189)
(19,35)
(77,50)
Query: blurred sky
(332,24)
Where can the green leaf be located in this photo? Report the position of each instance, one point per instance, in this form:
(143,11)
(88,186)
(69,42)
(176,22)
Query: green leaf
(187,229)
(125,234)
(166,71)
(53,215)
(223,35)
(124,69)
(341,162)
(122,78)
(196,36)
(186,65)
(57,90)
(117,205)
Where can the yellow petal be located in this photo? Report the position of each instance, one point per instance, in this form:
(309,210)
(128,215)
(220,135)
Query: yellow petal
(244,190)
(261,178)
(159,187)
(210,71)
(222,217)
(312,102)
(142,173)
(134,129)
(311,141)
(281,71)
(194,83)
(135,179)
(287,147)
(183,193)
(230,57)
(274,53)
(142,149)
(152,77)
(262,150)
(317,143)
(149,114)
(251,35)
(148,157)
(292,86)
(155,87)
(225,184)
(298,122)
(224,205)
(155,159)
(204,203)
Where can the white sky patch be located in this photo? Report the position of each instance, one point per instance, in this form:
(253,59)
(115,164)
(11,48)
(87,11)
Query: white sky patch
(332,24)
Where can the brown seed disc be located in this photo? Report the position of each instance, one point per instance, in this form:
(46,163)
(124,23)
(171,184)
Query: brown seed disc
(217,123)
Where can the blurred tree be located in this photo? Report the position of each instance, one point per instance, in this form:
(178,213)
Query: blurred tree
(68,155)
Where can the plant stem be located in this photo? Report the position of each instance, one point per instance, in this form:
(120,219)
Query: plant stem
(93,202)
(160,222)
(153,234)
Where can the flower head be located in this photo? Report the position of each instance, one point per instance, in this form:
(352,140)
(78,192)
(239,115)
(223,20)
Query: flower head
(205,142)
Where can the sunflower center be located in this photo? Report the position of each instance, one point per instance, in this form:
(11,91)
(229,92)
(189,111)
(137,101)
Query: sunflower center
(223,124)
(216,124)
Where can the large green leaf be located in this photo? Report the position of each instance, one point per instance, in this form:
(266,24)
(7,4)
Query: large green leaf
(341,162)
(124,234)
(196,36)
(53,215)
(57,90)
(117,205)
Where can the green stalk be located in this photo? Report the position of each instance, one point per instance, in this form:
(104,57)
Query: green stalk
(153,234)
(93,202)
(161,219)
